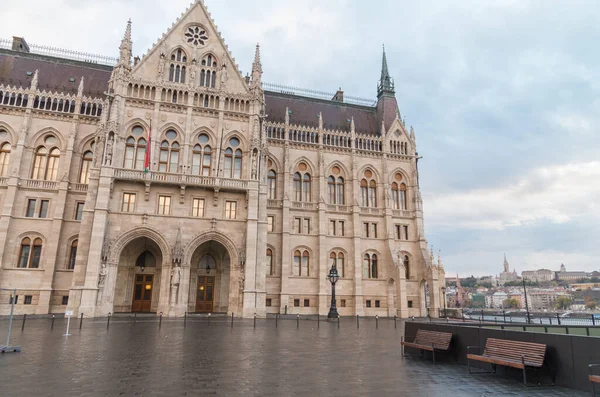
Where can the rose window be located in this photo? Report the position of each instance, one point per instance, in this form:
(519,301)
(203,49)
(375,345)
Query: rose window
(196,36)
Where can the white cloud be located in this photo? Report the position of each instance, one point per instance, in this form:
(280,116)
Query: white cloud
(557,193)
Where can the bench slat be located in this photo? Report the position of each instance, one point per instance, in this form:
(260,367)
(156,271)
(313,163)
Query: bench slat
(595,378)
(508,350)
(440,339)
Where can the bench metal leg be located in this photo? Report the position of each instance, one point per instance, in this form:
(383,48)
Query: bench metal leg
(480,372)
(433,355)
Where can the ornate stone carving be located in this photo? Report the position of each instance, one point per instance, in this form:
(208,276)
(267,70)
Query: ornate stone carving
(109,149)
(224,75)
(102,276)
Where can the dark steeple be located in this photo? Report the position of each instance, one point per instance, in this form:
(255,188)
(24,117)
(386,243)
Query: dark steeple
(386,84)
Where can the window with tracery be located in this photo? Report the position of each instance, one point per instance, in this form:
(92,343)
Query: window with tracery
(5,150)
(406,263)
(301,263)
(302,184)
(335,188)
(233,159)
(337,259)
(399,193)
(178,66)
(269,267)
(370,266)
(201,156)
(135,149)
(30,253)
(169,153)
(72,255)
(271,184)
(196,36)
(46,160)
(208,71)
(368,190)
(86,165)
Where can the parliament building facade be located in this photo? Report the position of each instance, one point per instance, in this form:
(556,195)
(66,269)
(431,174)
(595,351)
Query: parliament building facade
(171,183)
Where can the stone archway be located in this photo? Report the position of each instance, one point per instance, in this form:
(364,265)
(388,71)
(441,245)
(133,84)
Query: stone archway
(226,279)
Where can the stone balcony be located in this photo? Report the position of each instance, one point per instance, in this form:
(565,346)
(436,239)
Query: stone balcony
(166,178)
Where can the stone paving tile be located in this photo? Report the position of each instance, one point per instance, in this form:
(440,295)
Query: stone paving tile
(199,360)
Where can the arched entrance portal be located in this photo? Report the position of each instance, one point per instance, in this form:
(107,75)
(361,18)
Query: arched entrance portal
(138,277)
(210,277)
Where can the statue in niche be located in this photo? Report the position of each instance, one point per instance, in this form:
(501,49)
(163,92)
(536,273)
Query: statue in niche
(254,164)
(176,276)
(102,276)
(109,149)
(193,72)
(224,76)
(161,66)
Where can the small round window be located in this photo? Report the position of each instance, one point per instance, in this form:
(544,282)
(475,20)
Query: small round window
(203,138)
(137,130)
(50,140)
(234,142)
(171,134)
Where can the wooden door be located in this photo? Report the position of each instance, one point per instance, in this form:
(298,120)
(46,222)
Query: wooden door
(142,293)
(205,294)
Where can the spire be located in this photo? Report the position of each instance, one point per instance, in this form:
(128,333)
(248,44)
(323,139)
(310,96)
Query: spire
(257,68)
(80,89)
(386,84)
(126,46)
(34,81)
(506,267)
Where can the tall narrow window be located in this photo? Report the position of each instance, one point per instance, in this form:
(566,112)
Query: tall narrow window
(30,255)
(30,212)
(298,186)
(169,157)
(271,184)
(198,207)
(306,185)
(331,190)
(395,196)
(406,266)
(5,150)
(164,205)
(305,264)
(128,202)
(208,73)
(79,211)
(72,255)
(135,149)
(297,260)
(24,253)
(301,263)
(44,204)
(368,190)
(233,160)
(399,193)
(336,259)
(177,67)
(336,190)
(370,266)
(201,156)
(340,191)
(302,184)
(269,265)
(86,164)
(230,210)
(270,222)
(46,161)
(403,196)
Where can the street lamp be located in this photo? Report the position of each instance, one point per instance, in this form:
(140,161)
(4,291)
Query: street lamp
(444,292)
(526,303)
(333,278)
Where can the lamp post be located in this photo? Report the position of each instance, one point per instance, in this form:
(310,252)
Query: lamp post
(444,292)
(333,278)
(526,303)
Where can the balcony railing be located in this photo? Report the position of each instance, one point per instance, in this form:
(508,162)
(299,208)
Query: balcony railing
(79,187)
(179,179)
(304,206)
(403,213)
(338,208)
(274,203)
(40,184)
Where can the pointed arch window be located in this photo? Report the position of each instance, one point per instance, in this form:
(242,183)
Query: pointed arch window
(30,253)
(271,184)
(233,160)
(269,265)
(301,263)
(406,263)
(403,204)
(72,255)
(368,190)
(335,188)
(178,66)
(208,73)
(169,153)
(202,156)
(5,150)
(370,266)
(399,193)
(86,165)
(337,259)
(46,161)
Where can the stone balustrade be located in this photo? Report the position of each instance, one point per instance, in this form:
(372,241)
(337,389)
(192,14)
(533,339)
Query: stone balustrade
(179,179)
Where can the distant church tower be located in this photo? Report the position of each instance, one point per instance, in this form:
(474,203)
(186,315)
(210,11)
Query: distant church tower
(506,267)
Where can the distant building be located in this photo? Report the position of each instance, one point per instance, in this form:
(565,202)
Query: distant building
(539,300)
(518,298)
(507,276)
(564,275)
(540,275)
(498,299)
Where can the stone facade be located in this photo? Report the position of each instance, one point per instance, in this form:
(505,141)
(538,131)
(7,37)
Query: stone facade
(173,184)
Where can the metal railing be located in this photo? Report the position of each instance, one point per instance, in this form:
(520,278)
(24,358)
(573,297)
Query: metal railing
(285,89)
(64,53)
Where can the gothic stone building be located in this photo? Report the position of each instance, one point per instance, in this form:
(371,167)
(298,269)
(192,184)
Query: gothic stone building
(249,197)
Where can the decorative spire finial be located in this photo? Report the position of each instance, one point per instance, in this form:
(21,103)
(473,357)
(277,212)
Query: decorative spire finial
(256,68)
(126,46)
(386,84)
(34,80)
(80,89)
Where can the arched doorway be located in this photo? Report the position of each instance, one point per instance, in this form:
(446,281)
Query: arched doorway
(210,278)
(138,277)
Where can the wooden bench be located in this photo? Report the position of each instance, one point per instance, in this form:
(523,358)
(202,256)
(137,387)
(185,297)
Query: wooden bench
(510,353)
(594,378)
(430,341)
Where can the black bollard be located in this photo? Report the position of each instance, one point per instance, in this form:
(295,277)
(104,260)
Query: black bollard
(318,321)
(276,319)
(285,309)
(209,317)
(357,323)
(395,323)
(593,320)
(134,318)
(108,321)
(160,320)
(377,321)
(231,319)
(558,318)
(338,321)
(52,325)
(254,320)
(80,321)
(23,325)
(297,321)
(184,319)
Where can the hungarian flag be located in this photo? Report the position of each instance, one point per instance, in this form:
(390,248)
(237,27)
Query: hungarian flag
(148,150)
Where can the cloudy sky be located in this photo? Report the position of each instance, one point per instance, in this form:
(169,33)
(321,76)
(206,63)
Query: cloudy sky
(503,95)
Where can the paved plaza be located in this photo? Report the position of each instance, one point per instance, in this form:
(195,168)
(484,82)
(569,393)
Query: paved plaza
(201,360)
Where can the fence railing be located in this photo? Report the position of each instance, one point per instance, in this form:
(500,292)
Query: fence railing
(504,317)
(285,89)
(64,53)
